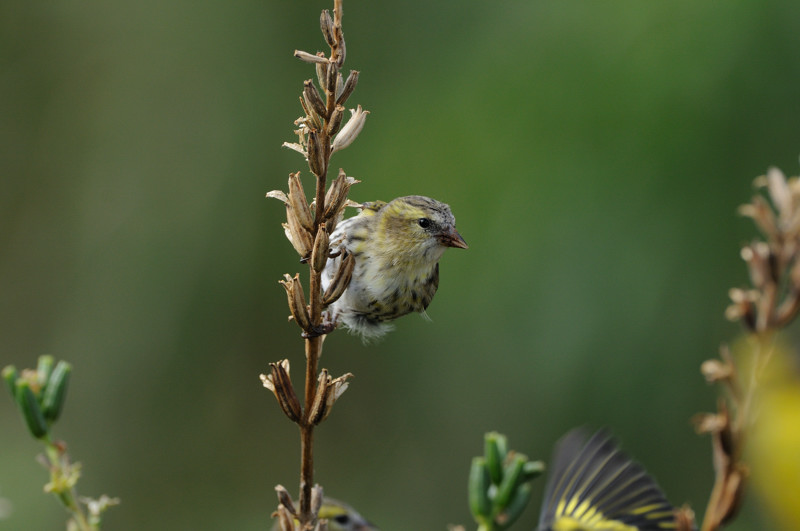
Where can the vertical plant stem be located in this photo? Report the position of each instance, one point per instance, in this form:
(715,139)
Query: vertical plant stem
(313,352)
(320,199)
(306,472)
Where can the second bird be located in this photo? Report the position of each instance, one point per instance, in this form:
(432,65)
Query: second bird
(396,247)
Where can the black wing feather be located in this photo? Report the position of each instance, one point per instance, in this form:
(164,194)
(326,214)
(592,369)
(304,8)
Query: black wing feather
(592,484)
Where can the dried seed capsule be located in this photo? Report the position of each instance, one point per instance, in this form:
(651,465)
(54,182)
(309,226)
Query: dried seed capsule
(326,25)
(332,79)
(340,280)
(322,73)
(300,237)
(296,242)
(318,408)
(333,191)
(313,98)
(297,198)
(297,301)
(284,519)
(312,120)
(317,495)
(285,499)
(319,256)
(350,130)
(335,120)
(328,392)
(336,198)
(348,87)
(310,58)
(284,391)
(318,151)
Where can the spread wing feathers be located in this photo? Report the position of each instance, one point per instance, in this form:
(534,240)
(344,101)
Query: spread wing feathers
(592,485)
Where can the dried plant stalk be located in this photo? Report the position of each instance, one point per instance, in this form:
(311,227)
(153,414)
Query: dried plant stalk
(770,304)
(320,133)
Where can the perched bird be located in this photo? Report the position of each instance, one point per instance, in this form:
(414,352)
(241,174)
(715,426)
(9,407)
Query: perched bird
(593,486)
(396,247)
(340,517)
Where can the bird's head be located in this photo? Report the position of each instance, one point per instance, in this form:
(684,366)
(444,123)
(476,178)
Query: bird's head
(420,226)
(342,517)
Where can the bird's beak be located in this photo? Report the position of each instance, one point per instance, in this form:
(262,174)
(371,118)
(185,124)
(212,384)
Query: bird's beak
(453,239)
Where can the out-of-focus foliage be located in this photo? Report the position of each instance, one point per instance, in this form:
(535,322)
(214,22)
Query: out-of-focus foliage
(593,154)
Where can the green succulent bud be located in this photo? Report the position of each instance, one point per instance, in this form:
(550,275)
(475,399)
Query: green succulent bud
(479,482)
(31,412)
(43,369)
(495,450)
(519,501)
(511,479)
(11,375)
(55,392)
(532,470)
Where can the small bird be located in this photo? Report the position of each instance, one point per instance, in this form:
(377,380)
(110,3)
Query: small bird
(340,517)
(396,247)
(593,486)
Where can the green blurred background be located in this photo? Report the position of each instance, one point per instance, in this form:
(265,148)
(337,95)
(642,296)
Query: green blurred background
(594,154)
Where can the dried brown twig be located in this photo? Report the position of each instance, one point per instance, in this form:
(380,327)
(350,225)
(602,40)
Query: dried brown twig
(308,226)
(771,303)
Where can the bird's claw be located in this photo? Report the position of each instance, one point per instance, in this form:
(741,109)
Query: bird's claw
(323,329)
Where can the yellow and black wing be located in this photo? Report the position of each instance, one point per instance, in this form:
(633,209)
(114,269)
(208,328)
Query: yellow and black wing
(593,486)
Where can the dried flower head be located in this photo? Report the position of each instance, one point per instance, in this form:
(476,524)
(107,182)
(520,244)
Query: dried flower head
(772,264)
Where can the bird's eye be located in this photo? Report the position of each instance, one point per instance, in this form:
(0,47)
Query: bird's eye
(424,223)
(342,519)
